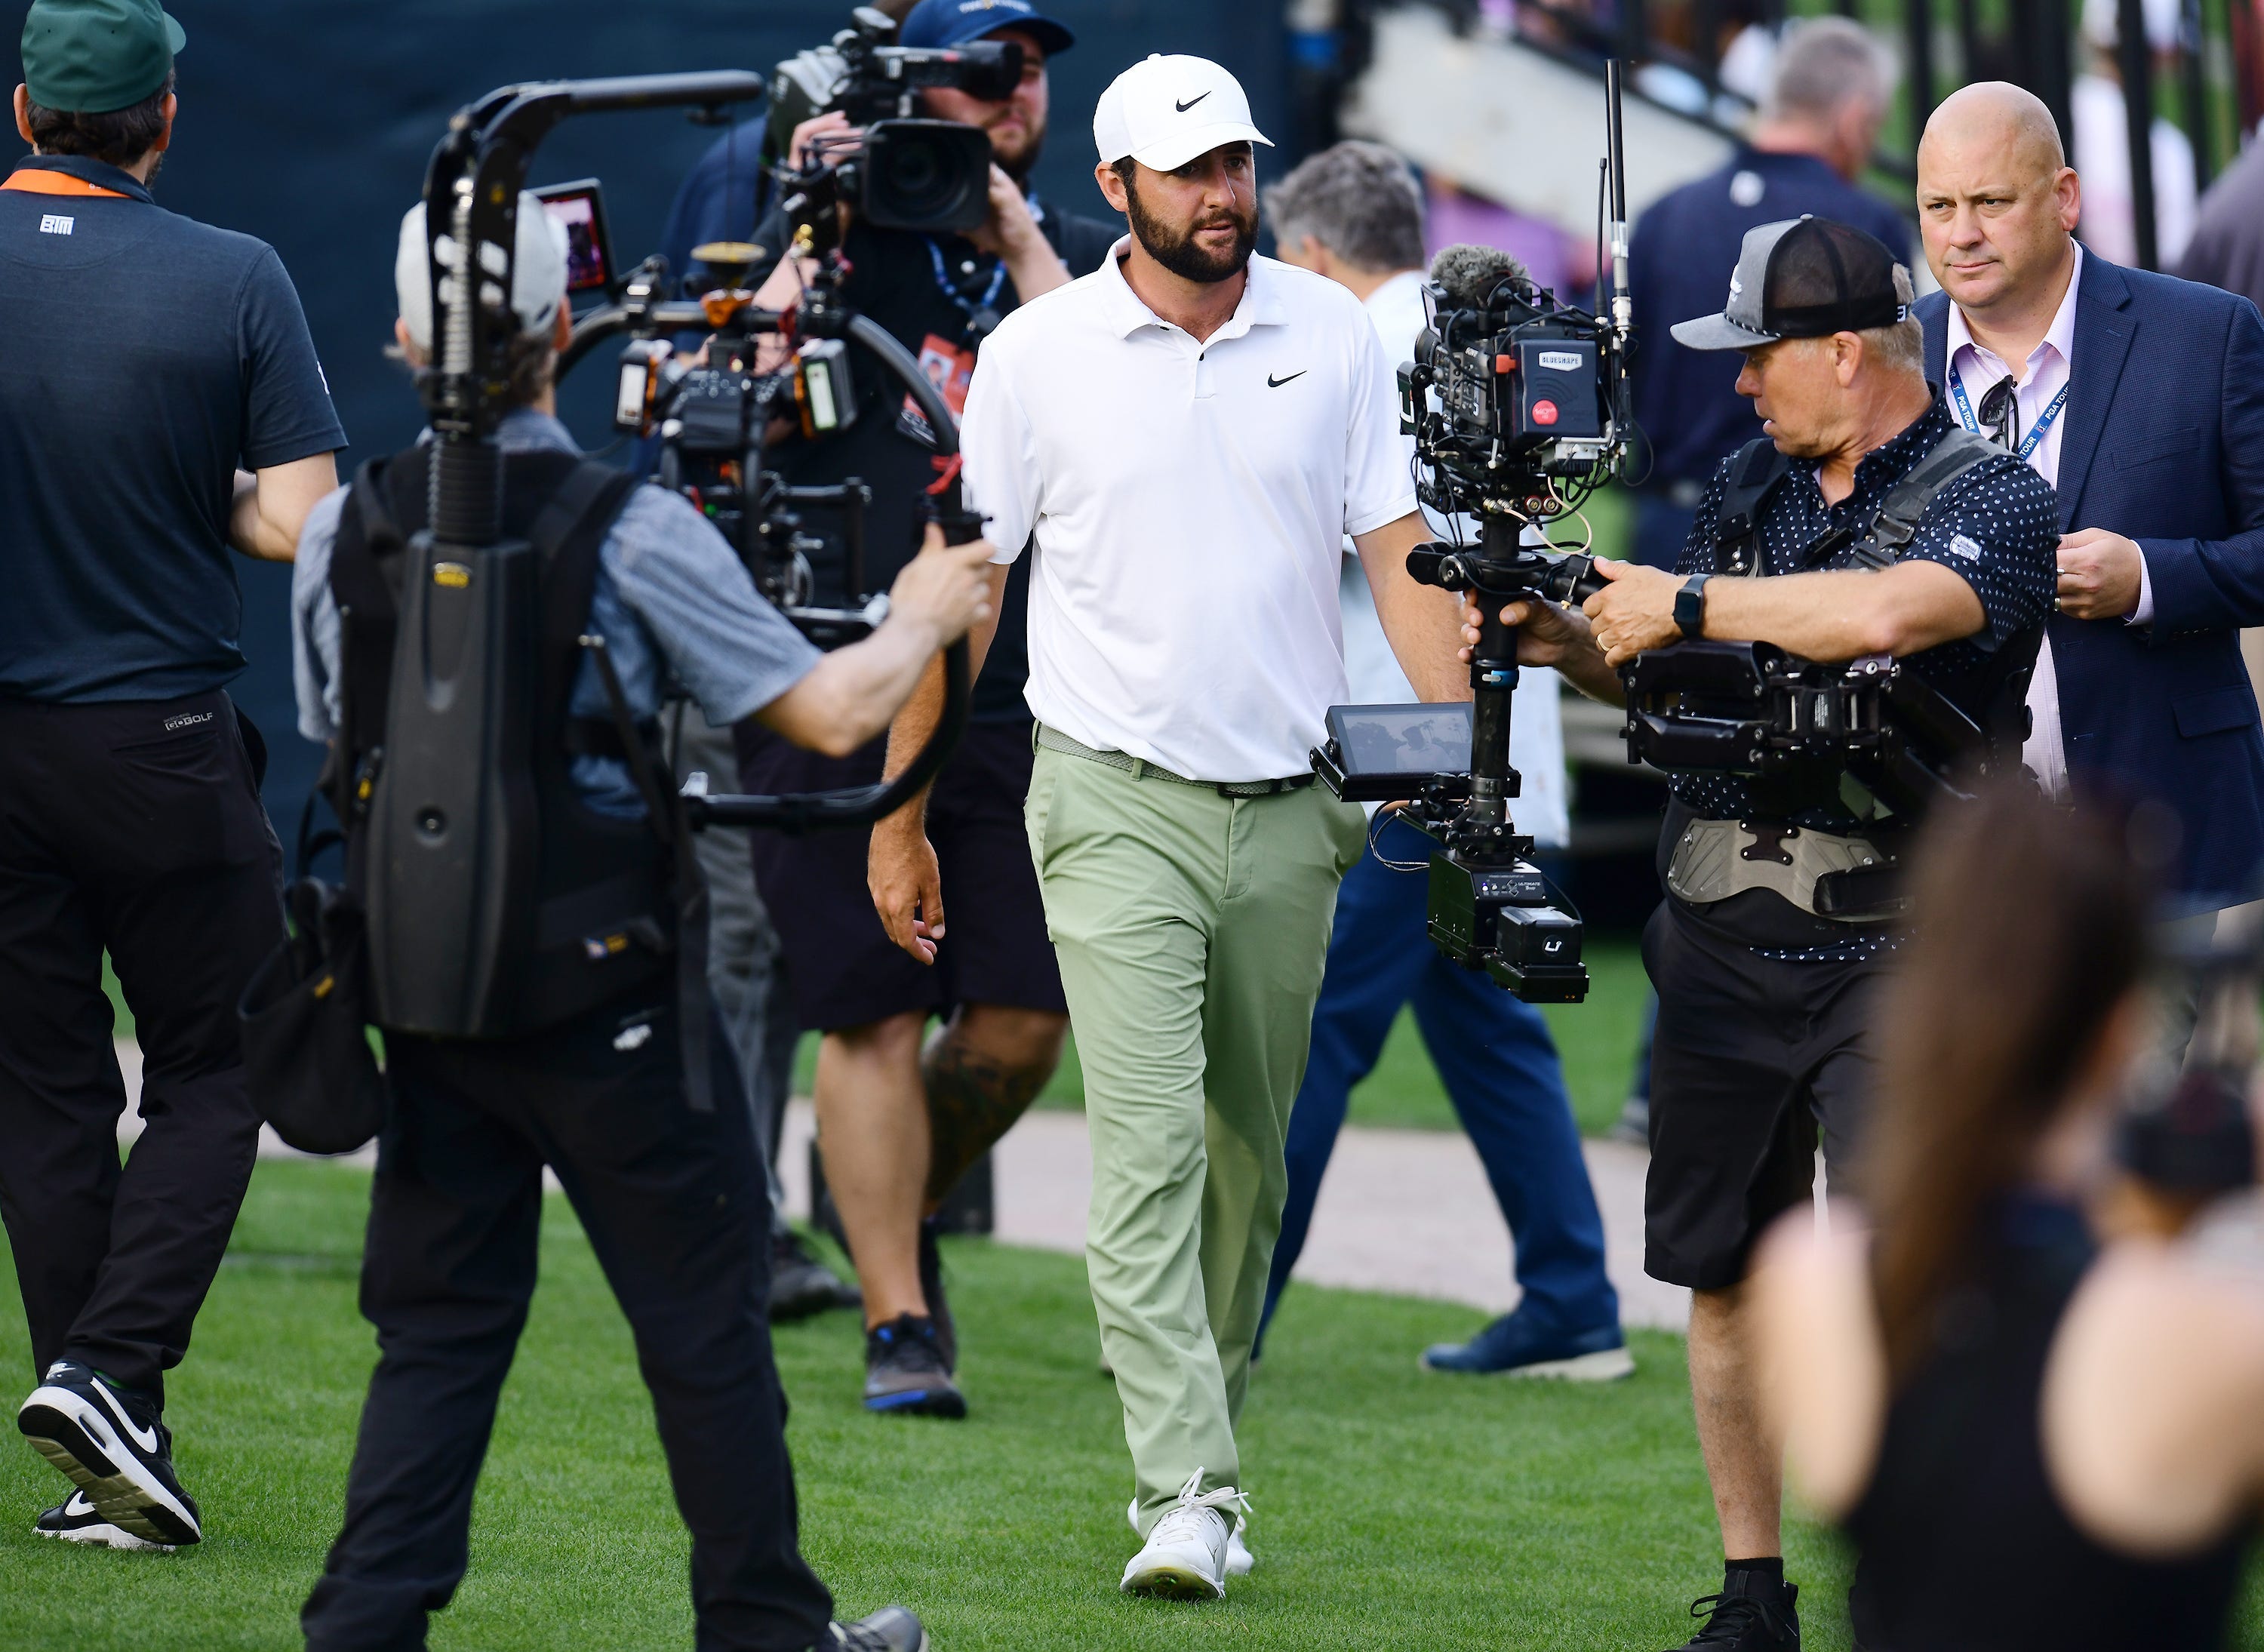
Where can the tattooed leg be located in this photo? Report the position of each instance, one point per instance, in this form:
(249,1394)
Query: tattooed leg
(982,1072)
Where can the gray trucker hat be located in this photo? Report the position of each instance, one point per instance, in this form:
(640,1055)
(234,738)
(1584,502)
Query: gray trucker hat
(1802,278)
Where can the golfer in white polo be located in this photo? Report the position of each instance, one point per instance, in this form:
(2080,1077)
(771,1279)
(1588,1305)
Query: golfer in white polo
(1182,439)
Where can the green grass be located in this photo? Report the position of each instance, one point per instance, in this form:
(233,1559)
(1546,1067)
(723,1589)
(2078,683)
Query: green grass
(1597,1041)
(1392,1509)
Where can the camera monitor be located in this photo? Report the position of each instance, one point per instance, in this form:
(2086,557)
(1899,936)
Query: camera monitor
(580,206)
(1385,752)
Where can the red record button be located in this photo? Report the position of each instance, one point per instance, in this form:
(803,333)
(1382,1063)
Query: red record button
(1544,412)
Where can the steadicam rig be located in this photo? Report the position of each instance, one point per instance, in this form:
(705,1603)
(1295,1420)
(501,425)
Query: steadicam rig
(1518,406)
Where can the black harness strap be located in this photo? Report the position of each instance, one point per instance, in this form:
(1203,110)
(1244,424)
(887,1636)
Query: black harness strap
(1753,475)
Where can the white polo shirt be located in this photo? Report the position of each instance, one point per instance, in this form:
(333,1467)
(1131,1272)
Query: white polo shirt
(1187,501)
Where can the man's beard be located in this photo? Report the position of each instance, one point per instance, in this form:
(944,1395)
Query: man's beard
(1022,162)
(1181,254)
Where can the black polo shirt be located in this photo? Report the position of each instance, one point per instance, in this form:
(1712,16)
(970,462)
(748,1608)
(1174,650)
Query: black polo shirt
(1997,528)
(920,287)
(144,357)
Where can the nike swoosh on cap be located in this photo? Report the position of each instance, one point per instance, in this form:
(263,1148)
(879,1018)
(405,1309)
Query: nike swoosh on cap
(1273,383)
(1191,103)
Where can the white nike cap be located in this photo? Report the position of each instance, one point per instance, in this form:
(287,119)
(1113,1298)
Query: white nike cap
(1167,111)
(538,270)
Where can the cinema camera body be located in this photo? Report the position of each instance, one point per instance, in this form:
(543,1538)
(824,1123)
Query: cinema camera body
(1519,407)
(903,172)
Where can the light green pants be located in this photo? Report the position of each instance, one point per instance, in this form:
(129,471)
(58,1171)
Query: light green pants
(1192,930)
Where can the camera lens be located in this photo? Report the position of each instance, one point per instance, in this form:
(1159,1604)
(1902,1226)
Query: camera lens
(929,176)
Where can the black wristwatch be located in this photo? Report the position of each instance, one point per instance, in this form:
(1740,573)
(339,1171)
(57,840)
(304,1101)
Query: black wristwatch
(1690,604)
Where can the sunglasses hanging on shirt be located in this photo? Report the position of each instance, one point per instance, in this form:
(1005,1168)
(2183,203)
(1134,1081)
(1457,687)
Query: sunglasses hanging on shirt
(2000,414)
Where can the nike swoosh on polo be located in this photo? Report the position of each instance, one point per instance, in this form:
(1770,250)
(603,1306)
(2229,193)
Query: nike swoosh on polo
(1273,383)
(145,1437)
(1191,103)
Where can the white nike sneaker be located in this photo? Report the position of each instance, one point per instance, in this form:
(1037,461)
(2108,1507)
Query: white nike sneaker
(76,1520)
(1186,1555)
(1239,1558)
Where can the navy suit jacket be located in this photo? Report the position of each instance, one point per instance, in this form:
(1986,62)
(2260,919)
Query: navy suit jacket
(2163,444)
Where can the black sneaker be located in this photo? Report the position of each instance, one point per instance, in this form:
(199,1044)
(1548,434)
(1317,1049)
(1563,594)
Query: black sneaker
(1751,1615)
(931,1277)
(802,1285)
(112,1444)
(890,1629)
(904,1369)
(78,1521)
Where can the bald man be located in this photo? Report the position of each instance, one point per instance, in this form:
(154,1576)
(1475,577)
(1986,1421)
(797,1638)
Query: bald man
(2140,397)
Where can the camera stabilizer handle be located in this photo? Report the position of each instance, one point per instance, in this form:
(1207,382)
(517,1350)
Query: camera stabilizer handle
(1497,571)
(471,199)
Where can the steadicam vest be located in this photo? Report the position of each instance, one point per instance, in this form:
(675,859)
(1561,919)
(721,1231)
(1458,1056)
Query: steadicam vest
(565,906)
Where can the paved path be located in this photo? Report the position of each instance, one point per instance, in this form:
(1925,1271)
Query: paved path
(1406,1212)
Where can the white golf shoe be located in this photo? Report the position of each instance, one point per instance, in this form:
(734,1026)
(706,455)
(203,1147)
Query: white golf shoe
(1191,1551)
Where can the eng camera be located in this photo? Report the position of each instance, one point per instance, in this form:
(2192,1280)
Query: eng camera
(904,172)
(1517,404)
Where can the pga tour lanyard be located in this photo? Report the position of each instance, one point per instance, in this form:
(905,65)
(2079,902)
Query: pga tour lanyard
(2035,431)
(972,307)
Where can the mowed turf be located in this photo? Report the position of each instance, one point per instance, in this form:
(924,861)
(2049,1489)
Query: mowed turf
(1394,1510)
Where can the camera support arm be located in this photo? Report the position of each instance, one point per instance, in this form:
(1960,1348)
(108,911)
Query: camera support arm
(471,213)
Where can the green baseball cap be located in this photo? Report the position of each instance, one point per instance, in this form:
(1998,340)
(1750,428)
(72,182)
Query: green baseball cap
(90,57)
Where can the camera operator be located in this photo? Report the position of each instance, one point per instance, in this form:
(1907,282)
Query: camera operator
(144,357)
(1762,1038)
(1353,213)
(898,1126)
(2037,1435)
(674,1196)
(2140,397)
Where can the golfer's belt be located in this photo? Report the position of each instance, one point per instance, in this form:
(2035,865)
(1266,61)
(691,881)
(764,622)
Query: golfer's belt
(1047,738)
(1715,860)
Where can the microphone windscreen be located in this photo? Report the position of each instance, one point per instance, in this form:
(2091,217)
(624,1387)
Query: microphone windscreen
(1468,274)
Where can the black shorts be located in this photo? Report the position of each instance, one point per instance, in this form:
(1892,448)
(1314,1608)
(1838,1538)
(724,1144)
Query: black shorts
(1753,1059)
(844,970)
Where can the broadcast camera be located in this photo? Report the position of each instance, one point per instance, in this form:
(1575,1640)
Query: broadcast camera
(903,172)
(1518,405)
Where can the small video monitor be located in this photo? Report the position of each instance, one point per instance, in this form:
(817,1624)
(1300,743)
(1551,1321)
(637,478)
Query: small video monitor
(1412,742)
(580,206)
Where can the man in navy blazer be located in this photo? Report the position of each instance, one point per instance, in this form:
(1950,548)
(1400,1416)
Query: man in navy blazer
(2141,398)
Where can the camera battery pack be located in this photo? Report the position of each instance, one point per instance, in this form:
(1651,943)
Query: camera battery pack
(1558,389)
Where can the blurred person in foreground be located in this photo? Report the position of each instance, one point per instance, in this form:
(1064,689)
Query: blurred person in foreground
(902,1115)
(160,406)
(2035,1439)
(2140,398)
(1765,1048)
(1354,213)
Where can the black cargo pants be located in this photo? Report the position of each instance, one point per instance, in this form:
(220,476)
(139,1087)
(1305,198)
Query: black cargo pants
(133,826)
(675,1208)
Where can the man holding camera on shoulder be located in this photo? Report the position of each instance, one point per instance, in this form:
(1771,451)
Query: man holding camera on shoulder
(671,1192)
(900,1124)
(1864,525)
(159,404)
